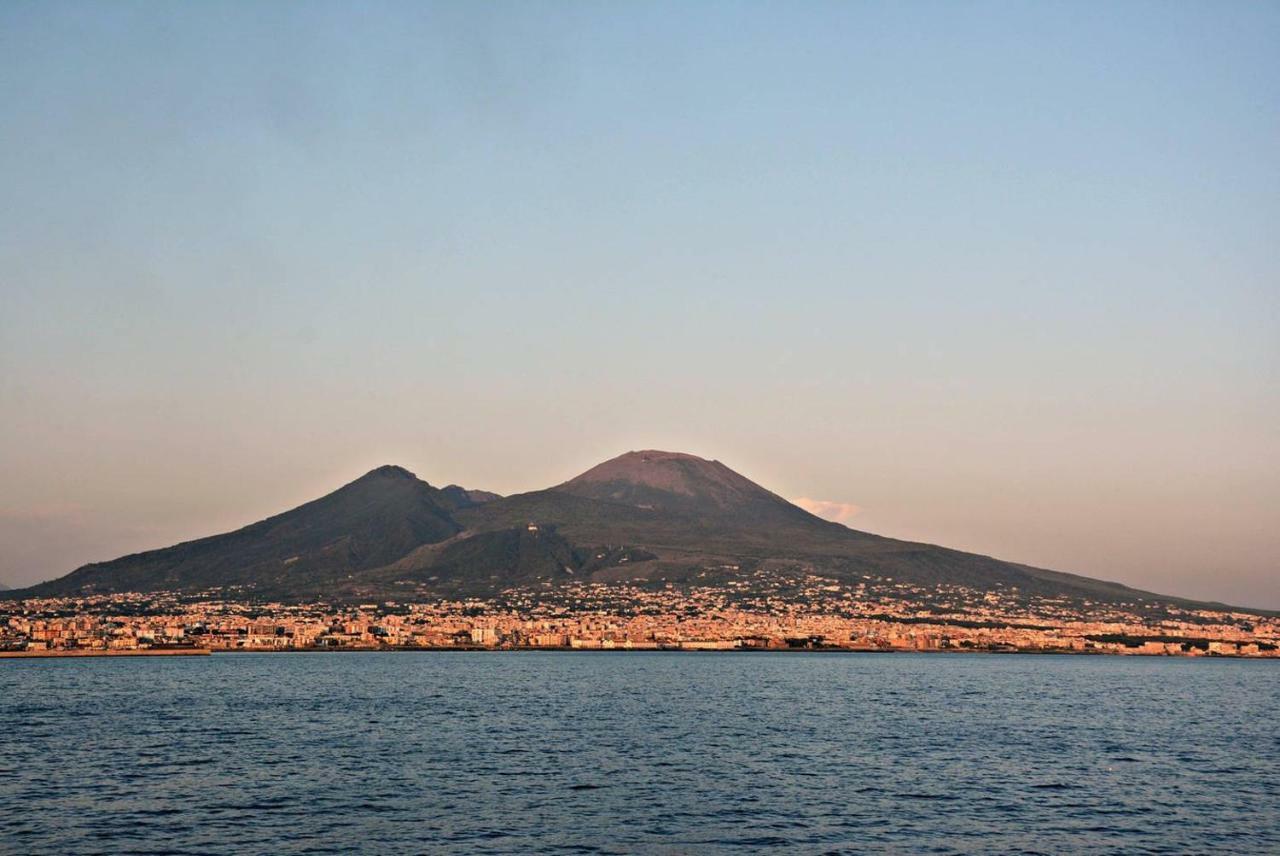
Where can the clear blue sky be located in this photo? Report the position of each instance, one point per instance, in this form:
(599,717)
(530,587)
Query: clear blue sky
(1005,276)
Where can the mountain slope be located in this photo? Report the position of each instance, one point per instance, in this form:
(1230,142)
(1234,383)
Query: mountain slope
(368,523)
(694,514)
(485,562)
(456,497)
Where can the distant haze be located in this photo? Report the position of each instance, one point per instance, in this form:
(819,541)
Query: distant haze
(1003,277)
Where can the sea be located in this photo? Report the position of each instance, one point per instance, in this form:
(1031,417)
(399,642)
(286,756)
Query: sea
(662,753)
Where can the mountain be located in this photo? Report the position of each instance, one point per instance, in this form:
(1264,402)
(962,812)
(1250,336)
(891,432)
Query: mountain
(701,520)
(648,517)
(367,524)
(3,587)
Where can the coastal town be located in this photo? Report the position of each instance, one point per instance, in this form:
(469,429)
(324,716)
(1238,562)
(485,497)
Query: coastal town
(761,612)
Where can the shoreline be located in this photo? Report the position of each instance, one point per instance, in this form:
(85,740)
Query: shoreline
(92,652)
(204,652)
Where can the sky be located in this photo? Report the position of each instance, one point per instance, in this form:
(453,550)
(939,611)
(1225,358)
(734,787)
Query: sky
(1000,276)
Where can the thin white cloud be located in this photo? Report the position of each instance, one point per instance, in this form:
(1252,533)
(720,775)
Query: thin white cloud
(840,512)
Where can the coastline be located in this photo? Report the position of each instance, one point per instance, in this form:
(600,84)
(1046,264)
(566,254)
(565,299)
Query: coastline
(91,652)
(199,652)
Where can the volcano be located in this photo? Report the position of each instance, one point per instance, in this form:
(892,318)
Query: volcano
(644,516)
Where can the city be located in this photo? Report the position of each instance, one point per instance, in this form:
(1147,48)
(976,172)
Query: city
(760,610)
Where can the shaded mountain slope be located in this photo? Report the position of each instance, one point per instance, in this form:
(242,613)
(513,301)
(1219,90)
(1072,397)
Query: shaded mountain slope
(478,563)
(368,523)
(455,497)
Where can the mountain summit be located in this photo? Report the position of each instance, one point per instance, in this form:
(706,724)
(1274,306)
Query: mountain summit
(368,523)
(680,483)
(635,476)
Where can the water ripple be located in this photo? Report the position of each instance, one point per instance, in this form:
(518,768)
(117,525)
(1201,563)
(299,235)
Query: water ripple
(638,753)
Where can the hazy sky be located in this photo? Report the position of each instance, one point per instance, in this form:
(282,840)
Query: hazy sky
(1003,276)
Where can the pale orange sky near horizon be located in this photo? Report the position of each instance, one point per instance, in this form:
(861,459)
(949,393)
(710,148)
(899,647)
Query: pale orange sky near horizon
(1002,277)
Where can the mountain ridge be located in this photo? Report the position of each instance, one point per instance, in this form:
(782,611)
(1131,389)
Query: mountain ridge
(378,517)
(643,516)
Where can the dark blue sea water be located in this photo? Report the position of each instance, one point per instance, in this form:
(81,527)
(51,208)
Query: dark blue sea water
(638,753)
